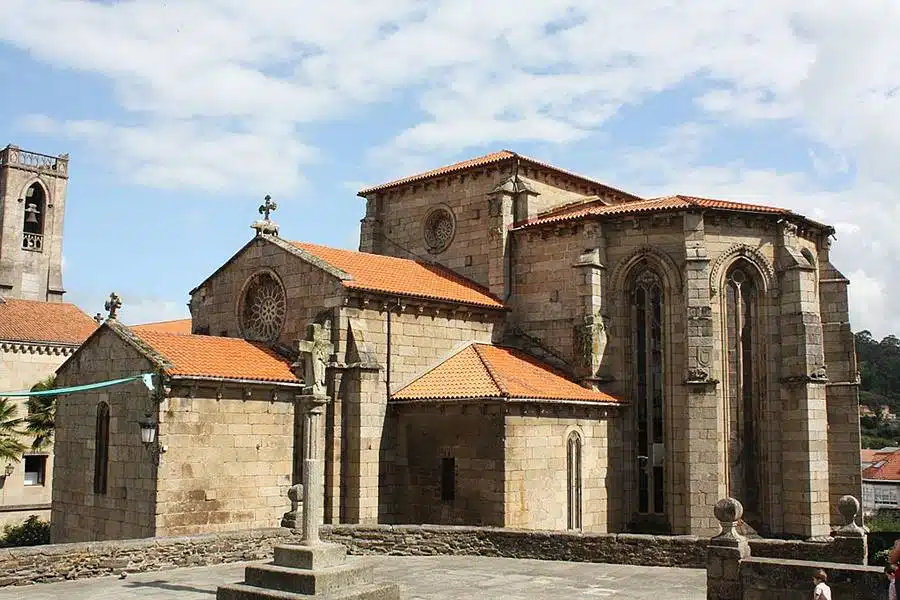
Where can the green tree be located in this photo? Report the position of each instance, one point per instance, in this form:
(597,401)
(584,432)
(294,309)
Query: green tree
(41,419)
(11,446)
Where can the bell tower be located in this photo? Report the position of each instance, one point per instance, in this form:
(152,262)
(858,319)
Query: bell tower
(32,210)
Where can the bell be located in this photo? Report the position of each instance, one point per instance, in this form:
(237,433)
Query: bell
(31,214)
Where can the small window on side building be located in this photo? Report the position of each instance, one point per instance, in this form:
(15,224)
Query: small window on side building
(35,470)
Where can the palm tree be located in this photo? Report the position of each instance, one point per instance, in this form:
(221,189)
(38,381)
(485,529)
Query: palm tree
(41,419)
(11,448)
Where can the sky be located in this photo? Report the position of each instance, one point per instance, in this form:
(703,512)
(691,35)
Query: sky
(180,116)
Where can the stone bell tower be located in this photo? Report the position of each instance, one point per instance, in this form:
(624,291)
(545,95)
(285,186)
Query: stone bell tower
(32,210)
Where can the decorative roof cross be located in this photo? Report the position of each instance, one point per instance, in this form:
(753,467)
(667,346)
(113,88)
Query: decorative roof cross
(268,207)
(113,304)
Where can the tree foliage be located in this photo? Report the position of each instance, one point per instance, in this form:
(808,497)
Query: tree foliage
(879,370)
(41,419)
(11,446)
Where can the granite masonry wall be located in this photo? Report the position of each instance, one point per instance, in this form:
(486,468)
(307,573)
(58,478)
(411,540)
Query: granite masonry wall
(229,461)
(469,435)
(781,579)
(127,508)
(536,484)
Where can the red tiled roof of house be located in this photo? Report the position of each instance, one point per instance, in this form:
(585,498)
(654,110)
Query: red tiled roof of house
(49,322)
(597,208)
(490,159)
(218,357)
(388,274)
(486,371)
(181,326)
(885,465)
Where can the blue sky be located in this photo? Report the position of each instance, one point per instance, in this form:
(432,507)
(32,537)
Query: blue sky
(180,117)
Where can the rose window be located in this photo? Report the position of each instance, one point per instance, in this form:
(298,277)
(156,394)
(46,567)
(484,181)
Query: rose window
(439,230)
(263,308)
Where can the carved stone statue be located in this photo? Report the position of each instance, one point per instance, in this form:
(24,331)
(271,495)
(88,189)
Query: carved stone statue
(292,518)
(315,351)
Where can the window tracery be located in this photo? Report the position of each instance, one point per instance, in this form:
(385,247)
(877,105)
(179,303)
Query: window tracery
(263,308)
(440,227)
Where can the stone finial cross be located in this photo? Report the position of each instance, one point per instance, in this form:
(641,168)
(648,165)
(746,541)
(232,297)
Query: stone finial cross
(113,304)
(268,207)
(315,350)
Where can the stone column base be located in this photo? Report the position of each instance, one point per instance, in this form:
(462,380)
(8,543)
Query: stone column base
(316,571)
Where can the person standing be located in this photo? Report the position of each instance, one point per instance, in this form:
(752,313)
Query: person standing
(822,591)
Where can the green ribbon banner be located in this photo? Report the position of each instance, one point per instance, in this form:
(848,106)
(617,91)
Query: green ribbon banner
(147,378)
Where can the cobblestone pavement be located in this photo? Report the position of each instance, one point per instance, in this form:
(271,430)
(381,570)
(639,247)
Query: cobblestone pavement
(420,577)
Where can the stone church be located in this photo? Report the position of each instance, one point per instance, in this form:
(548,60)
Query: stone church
(513,345)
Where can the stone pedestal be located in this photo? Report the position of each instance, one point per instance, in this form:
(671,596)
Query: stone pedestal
(725,553)
(319,571)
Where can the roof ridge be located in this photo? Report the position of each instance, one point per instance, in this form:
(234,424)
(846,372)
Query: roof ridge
(490,370)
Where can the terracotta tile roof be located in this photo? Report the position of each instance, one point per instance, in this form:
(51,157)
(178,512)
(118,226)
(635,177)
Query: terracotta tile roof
(486,371)
(679,202)
(490,159)
(885,465)
(221,357)
(182,326)
(51,322)
(387,274)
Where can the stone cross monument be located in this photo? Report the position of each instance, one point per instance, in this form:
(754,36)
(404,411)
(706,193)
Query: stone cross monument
(266,226)
(315,351)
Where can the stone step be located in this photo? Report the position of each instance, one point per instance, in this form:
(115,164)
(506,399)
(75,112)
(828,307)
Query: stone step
(374,591)
(309,582)
(320,556)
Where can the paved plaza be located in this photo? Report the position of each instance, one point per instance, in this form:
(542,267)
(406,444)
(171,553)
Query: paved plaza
(420,577)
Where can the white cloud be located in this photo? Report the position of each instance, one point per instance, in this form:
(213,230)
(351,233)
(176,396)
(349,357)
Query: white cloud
(205,81)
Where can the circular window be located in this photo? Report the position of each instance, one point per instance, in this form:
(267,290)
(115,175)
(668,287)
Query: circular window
(263,307)
(440,226)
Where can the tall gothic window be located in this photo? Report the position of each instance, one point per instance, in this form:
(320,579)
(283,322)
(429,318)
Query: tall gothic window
(101,448)
(647,321)
(741,311)
(573,469)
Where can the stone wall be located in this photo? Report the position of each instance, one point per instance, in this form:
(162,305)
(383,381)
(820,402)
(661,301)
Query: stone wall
(417,341)
(45,564)
(402,212)
(215,305)
(471,435)
(229,461)
(22,366)
(127,508)
(536,485)
(781,579)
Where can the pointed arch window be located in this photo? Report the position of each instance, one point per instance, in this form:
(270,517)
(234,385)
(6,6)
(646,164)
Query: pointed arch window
(741,345)
(33,224)
(101,448)
(573,469)
(647,354)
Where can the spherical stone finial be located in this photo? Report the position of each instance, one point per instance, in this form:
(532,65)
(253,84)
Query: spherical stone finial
(295,493)
(849,508)
(729,510)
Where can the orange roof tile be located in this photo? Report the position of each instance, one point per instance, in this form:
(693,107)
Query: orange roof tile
(490,159)
(51,322)
(401,276)
(181,326)
(221,357)
(885,465)
(597,208)
(486,371)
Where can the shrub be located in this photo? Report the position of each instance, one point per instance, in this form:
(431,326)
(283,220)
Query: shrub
(880,557)
(33,532)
